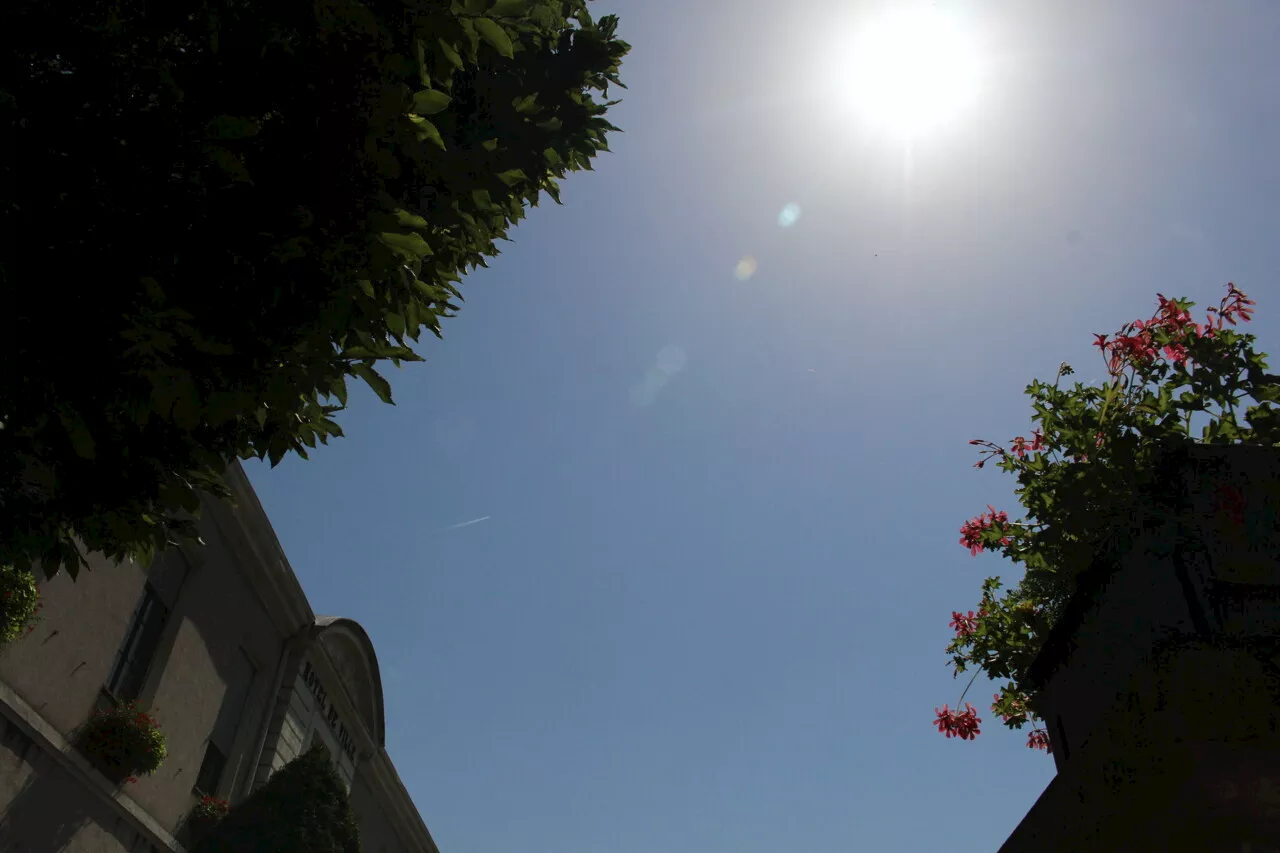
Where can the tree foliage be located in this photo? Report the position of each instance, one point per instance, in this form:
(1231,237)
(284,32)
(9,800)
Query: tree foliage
(303,807)
(215,212)
(20,604)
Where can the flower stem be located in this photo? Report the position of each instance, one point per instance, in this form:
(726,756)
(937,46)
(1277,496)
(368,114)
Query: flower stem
(963,693)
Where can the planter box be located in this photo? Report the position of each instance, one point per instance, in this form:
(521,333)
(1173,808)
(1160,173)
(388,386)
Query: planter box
(1233,809)
(1193,577)
(1171,649)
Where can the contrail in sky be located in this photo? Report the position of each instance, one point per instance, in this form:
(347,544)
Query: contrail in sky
(462,524)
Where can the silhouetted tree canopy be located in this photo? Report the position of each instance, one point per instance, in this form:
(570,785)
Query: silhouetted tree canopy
(303,808)
(214,212)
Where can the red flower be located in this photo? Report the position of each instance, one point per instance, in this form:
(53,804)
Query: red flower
(1234,305)
(961,724)
(1171,316)
(963,625)
(971,531)
(1017,708)
(1039,739)
(971,535)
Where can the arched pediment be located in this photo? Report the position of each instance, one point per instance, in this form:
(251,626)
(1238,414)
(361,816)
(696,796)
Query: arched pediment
(351,652)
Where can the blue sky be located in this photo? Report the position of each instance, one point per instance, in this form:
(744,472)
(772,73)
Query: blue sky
(706,611)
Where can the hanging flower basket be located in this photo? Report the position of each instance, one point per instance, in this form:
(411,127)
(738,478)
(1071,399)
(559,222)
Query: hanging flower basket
(205,815)
(19,604)
(124,742)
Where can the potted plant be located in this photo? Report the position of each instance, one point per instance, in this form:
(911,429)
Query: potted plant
(205,815)
(19,604)
(124,742)
(1141,465)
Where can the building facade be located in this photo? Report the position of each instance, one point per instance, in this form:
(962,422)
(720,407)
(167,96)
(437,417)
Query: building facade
(220,644)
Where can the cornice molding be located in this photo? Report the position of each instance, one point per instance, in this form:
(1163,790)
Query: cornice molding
(391,792)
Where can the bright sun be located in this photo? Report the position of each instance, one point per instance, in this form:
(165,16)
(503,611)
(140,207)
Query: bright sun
(910,72)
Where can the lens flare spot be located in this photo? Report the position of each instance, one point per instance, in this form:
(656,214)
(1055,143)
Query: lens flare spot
(746,268)
(789,215)
(644,392)
(671,359)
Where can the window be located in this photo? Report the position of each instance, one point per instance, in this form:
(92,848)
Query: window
(134,658)
(210,770)
(223,736)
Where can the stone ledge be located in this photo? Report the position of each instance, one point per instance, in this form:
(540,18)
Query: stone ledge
(52,742)
(1188,795)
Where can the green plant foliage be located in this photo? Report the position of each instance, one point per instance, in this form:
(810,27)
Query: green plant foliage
(204,816)
(124,740)
(213,213)
(19,604)
(210,809)
(1089,479)
(303,807)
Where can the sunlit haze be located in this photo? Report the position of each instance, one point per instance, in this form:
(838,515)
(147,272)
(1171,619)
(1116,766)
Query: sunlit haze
(907,72)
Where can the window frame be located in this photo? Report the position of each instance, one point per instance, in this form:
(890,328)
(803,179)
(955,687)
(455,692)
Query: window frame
(121,668)
(212,791)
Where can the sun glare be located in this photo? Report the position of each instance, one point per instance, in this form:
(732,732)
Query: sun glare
(909,72)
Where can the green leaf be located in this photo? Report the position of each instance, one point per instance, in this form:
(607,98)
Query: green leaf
(430,101)
(186,407)
(229,163)
(338,388)
(421,49)
(543,17)
(527,104)
(493,33)
(410,245)
(379,385)
(426,130)
(388,165)
(473,38)
(276,451)
(410,220)
(450,54)
(511,177)
(232,127)
(509,8)
(81,441)
(475,7)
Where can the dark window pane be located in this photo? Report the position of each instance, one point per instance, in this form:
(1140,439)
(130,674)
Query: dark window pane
(134,658)
(210,771)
